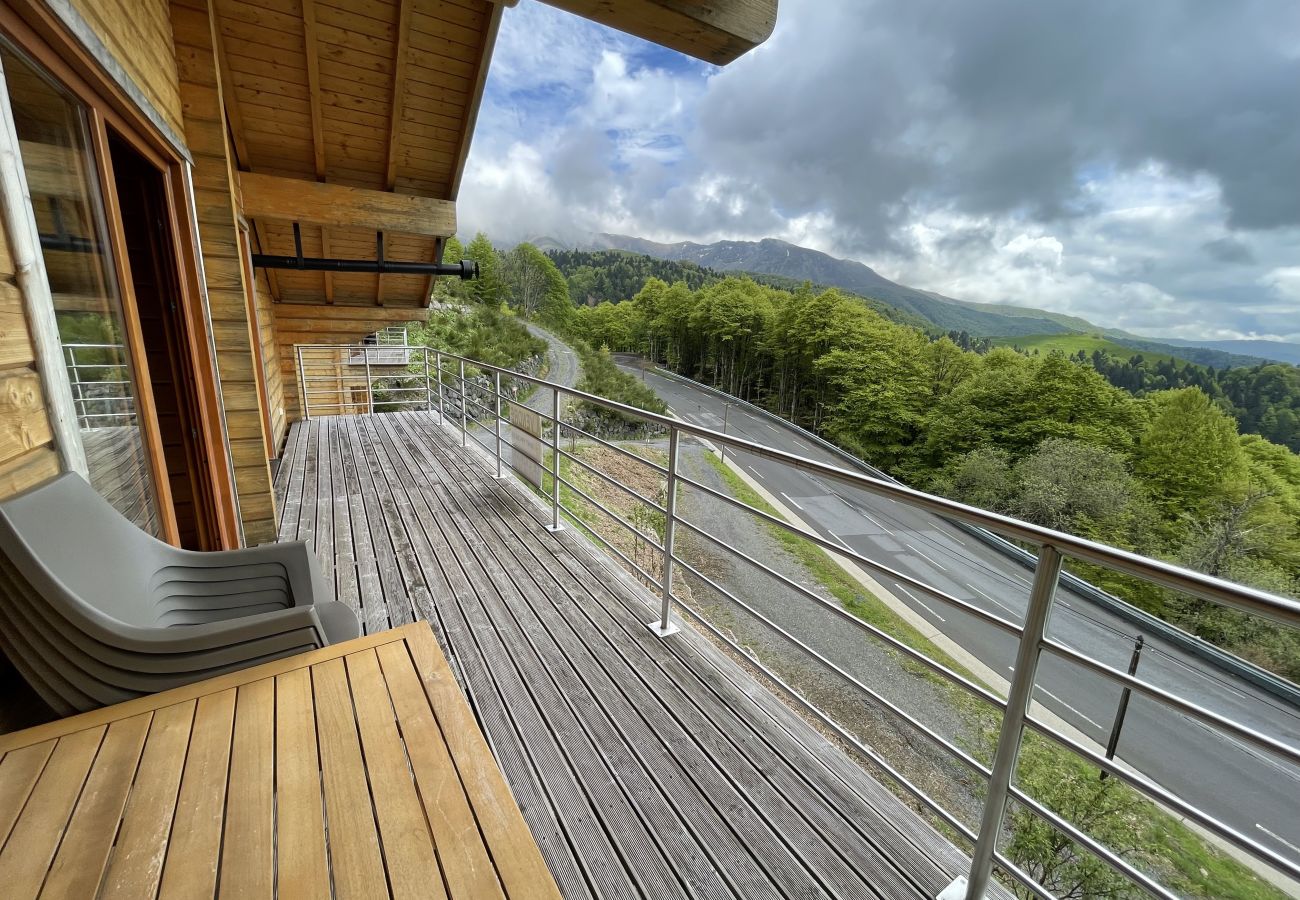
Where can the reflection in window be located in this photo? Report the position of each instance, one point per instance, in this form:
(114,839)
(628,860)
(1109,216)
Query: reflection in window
(53,138)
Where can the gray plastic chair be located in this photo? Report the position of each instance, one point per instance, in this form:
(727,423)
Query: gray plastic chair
(94,611)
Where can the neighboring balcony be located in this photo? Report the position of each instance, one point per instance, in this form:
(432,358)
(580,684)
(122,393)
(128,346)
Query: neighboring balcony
(673,727)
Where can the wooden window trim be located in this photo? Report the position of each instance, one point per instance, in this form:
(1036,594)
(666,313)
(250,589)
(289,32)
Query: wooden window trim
(34,29)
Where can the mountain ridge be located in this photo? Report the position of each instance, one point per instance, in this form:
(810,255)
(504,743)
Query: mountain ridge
(771,256)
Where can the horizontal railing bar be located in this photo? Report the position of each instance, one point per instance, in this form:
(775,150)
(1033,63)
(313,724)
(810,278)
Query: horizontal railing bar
(850,553)
(505,442)
(629,454)
(613,515)
(1160,695)
(939,740)
(839,610)
(835,727)
(1098,849)
(1206,587)
(592,469)
(1168,798)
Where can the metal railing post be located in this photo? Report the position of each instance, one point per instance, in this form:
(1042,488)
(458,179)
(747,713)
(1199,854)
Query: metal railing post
(555,460)
(665,626)
(302,379)
(496,389)
(370,384)
(442,400)
(428,386)
(1047,575)
(464,424)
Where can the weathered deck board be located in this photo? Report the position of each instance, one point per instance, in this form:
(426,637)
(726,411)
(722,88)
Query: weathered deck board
(644,767)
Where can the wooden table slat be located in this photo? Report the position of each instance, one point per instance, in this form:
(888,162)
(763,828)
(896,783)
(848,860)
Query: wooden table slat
(248,851)
(195,844)
(79,865)
(35,837)
(18,773)
(300,824)
(325,774)
(136,865)
(408,848)
(355,856)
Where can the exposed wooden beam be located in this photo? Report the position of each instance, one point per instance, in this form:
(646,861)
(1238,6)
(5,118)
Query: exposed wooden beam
(317,119)
(400,55)
(718,32)
(294,200)
(229,99)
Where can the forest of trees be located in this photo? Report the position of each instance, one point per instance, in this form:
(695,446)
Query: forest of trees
(618,275)
(1046,438)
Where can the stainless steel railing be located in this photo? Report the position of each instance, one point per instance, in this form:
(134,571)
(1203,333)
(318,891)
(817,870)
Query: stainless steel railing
(100,402)
(468,394)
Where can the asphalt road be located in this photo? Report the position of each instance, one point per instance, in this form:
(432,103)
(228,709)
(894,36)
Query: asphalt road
(1254,792)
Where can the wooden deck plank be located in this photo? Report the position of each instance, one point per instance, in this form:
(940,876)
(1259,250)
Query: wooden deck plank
(345,568)
(248,851)
(642,767)
(607,757)
(355,857)
(300,826)
(193,851)
(79,866)
(35,837)
(815,828)
(519,722)
(411,862)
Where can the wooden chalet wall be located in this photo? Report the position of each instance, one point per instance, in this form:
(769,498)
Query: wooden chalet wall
(275,383)
(204,128)
(27,455)
(138,34)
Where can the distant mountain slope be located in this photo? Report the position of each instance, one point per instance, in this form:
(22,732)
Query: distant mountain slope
(773,257)
(1278,351)
(1001,320)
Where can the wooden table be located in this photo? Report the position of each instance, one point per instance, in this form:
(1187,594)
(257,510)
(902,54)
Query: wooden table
(358,766)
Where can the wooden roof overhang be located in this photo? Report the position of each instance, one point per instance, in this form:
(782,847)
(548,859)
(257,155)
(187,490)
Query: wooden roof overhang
(353,119)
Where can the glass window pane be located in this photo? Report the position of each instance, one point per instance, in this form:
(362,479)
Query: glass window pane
(53,137)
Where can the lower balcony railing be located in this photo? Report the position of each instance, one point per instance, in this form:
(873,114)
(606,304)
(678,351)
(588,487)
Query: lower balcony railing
(480,399)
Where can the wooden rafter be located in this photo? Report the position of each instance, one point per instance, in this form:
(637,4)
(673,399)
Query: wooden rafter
(718,32)
(400,56)
(317,119)
(235,123)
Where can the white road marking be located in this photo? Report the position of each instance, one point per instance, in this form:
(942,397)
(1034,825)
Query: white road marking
(923,556)
(992,598)
(1041,689)
(756,473)
(1278,838)
(838,539)
(922,603)
(873,521)
(788,497)
(1069,707)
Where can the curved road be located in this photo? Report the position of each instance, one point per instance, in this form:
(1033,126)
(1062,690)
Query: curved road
(564,368)
(1254,792)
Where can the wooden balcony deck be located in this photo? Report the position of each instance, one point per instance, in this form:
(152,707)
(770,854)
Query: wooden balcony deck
(644,767)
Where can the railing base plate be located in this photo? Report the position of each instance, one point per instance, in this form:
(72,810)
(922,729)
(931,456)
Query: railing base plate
(954,891)
(672,628)
(554,528)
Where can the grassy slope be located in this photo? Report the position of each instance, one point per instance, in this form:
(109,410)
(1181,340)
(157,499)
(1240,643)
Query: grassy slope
(1073,343)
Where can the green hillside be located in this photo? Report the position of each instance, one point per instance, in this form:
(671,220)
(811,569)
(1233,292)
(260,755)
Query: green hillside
(1071,344)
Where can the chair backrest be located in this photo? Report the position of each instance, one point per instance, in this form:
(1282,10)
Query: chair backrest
(65,531)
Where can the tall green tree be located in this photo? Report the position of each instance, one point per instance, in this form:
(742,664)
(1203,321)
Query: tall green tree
(490,287)
(1189,455)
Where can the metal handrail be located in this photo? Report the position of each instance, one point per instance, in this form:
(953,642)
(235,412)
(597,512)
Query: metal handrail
(117,406)
(1016,710)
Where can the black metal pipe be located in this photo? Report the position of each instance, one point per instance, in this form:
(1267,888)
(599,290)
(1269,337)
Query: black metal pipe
(465,269)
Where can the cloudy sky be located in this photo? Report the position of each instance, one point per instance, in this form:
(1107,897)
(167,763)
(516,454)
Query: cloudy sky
(1136,163)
